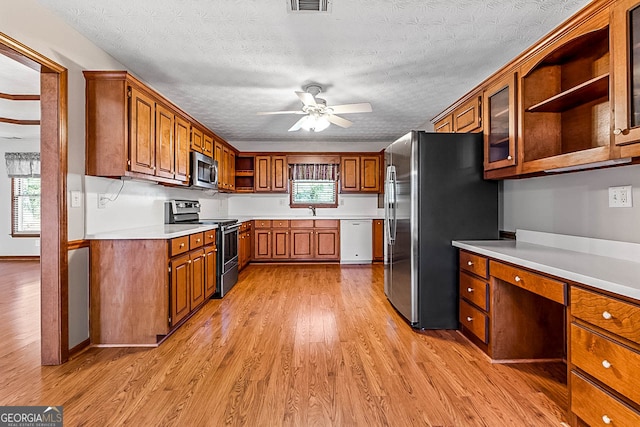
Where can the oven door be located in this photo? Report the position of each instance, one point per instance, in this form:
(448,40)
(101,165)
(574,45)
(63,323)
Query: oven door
(227,259)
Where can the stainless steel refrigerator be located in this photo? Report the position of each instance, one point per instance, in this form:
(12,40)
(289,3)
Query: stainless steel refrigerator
(434,193)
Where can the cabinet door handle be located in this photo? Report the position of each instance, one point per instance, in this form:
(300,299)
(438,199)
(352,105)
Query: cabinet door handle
(469,318)
(617,131)
(606,315)
(606,364)
(469,290)
(606,419)
(517,278)
(509,158)
(189,262)
(469,263)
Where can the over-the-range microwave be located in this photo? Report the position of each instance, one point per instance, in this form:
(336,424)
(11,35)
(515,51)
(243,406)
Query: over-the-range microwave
(204,172)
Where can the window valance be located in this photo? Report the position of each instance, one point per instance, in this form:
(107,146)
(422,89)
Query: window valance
(317,172)
(23,165)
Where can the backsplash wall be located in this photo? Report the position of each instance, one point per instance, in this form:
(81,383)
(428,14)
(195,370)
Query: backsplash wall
(266,205)
(139,204)
(574,203)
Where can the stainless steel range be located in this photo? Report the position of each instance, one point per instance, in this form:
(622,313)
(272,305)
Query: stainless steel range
(188,212)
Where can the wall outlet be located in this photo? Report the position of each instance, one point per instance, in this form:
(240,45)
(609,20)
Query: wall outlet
(620,197)
(102,200)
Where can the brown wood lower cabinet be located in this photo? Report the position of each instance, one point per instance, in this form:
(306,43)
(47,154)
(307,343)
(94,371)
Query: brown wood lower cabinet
(604,348)
(378,240)
(296,240)
(516,314)
(140,300)
(244,245)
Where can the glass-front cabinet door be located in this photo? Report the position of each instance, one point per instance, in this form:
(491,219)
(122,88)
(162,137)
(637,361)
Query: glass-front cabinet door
(499,124)
(625,33)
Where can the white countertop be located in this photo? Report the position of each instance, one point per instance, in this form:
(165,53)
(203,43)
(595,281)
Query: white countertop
(293,217)
(620,276)
(163,231)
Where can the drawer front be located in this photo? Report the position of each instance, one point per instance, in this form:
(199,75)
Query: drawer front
(474,290)
(618,317)
(280,223)
(262,223)
(196,240)
(474,320)
(552,289)
(597,407)
(301,223)
(476,264)
(327,223)
(606,360)
(179,245)
(209,237)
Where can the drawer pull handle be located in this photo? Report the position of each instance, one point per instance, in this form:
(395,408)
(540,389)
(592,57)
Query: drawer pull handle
(182,245)
(211,236)
(606,315)
(469,263)
(197,240)
(606,419)
(606,364)
(469,290)
(469,318)
(517,278)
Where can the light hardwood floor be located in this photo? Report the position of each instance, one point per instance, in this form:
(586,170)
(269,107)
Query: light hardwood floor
(289,345)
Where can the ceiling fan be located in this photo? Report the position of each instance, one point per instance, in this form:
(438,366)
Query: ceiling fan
(317,114)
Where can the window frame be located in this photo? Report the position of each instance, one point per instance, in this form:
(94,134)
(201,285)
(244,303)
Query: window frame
(14,232)
(306,205)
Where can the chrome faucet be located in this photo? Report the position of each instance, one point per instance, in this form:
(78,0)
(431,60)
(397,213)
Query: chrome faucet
(313,210)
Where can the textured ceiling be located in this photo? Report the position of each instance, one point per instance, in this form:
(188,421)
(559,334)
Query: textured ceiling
(225,60)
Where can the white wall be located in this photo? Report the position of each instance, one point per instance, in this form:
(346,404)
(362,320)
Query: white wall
(278,205)
(25,246)
(574,204)
(140,204)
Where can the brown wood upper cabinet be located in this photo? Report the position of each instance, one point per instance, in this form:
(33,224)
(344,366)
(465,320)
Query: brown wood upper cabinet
(467,117)
(625,37)
(573,98)
(271,174)
(207,145)
(565,100)
(500,123)
(133,131)
(444,125)
(360,174)
(197,140)
(226,158)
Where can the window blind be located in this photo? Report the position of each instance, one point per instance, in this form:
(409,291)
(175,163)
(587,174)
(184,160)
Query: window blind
(313,192)
(26,206)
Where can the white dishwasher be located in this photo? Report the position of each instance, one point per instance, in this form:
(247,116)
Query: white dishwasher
(355,241)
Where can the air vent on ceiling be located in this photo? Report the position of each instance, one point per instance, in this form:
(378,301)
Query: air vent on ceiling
(298,6)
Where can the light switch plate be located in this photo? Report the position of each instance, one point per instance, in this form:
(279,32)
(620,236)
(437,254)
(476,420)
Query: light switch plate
(620,197)
(76,199)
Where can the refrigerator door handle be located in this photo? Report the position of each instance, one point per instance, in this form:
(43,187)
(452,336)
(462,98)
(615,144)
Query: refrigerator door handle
(391,204)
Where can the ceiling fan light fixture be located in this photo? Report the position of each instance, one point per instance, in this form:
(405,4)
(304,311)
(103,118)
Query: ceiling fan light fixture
(315,122)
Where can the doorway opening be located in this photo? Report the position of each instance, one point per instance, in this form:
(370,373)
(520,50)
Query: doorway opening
(54,322)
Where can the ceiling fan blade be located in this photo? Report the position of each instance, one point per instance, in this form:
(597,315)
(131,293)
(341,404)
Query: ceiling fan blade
(298,124)
(266,113)
(307,98)
(363,107)
(343,123)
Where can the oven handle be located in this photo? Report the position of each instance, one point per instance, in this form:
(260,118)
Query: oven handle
(227,228)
